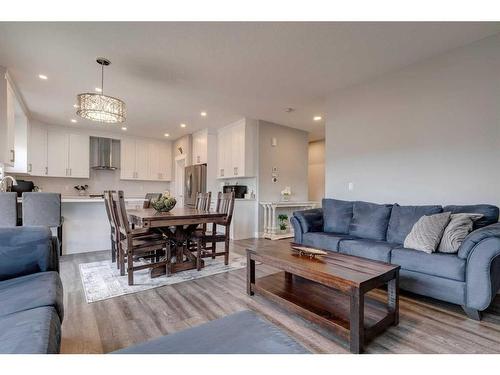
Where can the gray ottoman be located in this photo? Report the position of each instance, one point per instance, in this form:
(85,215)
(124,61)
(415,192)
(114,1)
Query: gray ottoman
(240,333)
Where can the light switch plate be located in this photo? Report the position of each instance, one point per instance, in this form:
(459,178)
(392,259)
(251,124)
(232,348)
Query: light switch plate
(350,186)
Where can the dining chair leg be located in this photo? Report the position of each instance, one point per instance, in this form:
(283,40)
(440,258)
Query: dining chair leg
(168,254)
(226,251)
(113,251)
(214,248)
(130,266)
(121,262)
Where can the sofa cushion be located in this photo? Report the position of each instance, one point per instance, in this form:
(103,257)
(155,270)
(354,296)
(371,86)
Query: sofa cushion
(35,331)
(371,249)
(404,217)
(310,220)
(427,232)
(370,220)
(449,266)
(241,333)
(489,212)
(325,241)
(458,228)
(337,215)
(31,291)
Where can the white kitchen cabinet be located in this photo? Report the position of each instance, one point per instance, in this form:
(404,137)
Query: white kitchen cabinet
(154,160)
(165,166)
(235,149)
(57,154)
(20,143)
(7,123)
(200,147)
(243,224)
(37,155)
(142,160)
(67,154)
(78,156)
(127,159)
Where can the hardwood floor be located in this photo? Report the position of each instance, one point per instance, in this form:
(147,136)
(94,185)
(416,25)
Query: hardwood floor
(426,325)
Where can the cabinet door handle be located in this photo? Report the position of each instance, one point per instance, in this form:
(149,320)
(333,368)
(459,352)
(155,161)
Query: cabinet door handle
(198,159)
(236,171)
(46,170)
(222,172)
(70,171)
(13,153)
(30,168)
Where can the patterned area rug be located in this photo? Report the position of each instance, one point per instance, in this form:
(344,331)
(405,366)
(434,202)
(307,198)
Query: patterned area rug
(102,280)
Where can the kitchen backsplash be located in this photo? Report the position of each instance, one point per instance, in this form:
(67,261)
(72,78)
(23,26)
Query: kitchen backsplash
(98,182)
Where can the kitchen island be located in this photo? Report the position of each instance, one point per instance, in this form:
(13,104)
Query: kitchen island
(86,226)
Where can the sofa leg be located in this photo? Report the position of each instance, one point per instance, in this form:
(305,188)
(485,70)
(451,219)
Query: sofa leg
(472,313)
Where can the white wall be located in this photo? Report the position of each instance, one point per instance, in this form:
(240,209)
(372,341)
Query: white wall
(316,170)
(429,133)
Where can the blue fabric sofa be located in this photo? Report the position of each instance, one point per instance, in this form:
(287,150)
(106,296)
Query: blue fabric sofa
(31,294)
(470,278)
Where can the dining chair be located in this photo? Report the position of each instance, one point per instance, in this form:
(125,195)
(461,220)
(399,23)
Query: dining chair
(8,209)
(150,197)
(132,247)
(43,209)
(225,205)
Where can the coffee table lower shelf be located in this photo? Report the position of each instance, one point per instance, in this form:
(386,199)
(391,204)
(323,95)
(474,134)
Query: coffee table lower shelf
(322,305)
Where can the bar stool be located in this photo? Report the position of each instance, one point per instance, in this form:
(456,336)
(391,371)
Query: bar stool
(8,209)
(43,209)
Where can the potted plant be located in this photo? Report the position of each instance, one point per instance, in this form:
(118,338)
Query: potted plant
(283,223)
(165,203)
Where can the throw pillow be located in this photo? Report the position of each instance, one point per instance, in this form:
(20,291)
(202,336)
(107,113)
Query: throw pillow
(427,232)
(337,215)
(458,228)
(370,220)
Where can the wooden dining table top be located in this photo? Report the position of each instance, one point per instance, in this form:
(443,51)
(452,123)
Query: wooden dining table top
(149,217)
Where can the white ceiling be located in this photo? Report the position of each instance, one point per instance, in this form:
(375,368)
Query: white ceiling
(168,72)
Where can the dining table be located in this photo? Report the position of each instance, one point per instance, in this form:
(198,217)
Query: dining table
(177,225)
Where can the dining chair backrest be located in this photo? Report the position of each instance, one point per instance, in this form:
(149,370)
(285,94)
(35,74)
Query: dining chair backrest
(42,209)
(108,204)
(120,212)
(203,201)
(225,205)
(150,197)
(8,209)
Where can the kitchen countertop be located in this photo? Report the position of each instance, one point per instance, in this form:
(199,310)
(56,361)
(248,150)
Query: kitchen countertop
(86,199)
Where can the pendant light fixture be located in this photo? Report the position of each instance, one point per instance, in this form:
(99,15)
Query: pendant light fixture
(100,107)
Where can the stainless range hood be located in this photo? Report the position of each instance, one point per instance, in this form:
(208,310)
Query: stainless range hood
(104,153)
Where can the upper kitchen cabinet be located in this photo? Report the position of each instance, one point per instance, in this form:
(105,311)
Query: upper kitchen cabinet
(235,152)
(67,154)
(7,121)
(200,145)
(37,155)
(20,153)
(145,160)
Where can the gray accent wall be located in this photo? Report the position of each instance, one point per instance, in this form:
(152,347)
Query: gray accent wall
(429,133)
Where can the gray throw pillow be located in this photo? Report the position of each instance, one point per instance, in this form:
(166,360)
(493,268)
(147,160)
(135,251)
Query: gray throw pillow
(458,228)
(427,232)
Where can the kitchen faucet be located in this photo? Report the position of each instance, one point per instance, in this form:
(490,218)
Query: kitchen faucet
(4,185)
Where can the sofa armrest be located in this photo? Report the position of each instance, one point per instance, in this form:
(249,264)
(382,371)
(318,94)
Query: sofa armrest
(26,250)
(310,220)
(483,273)
(475,237)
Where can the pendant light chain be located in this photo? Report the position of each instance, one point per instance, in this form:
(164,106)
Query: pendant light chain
(102,79)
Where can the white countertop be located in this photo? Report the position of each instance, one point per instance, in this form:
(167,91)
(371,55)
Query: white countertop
(86,199)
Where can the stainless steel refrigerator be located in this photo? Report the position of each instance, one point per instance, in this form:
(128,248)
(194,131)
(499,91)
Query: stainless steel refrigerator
(195,181)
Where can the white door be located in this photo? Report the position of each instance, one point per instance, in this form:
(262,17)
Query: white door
(37,152)
(57,154)
(78,159)
(127,159)
(154,161)
(180,165)
(141,160)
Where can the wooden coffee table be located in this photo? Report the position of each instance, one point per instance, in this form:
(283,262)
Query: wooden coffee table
(329,290)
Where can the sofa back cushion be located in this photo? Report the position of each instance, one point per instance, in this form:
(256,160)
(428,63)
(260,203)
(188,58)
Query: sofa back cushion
(370,220)
(489,212)
(337,215)
(403,218)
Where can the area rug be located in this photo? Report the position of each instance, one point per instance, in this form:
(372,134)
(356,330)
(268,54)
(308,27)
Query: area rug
(102,280)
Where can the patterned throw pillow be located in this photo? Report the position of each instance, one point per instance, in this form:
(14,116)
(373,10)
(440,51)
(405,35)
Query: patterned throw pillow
(427,232)
(458,228)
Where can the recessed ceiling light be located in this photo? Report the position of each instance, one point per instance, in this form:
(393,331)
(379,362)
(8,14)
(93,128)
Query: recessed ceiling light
(166,135)
(203,114)
(75,105)
(43,76)
(124,128)
(73,120)
(98,89)
(183,125)
(317,118)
